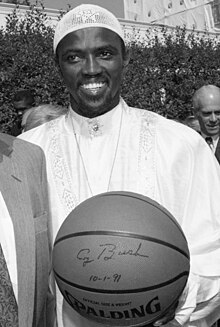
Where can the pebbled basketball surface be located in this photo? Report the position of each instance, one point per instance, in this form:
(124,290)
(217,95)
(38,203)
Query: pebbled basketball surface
(121,259)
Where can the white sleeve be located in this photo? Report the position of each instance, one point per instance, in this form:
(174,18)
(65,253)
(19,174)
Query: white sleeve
(191,311)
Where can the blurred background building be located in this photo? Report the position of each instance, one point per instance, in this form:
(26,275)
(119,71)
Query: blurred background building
(200,15)
(203,15)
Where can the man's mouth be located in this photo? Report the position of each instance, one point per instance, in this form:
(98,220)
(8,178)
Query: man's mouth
(213,126)
(93,88)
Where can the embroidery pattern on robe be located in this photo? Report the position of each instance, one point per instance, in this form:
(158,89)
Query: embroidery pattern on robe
(60,170)
(146,156)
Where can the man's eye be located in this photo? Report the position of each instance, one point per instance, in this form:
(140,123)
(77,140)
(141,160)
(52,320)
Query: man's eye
(72,58)
(207,114)
(105,54)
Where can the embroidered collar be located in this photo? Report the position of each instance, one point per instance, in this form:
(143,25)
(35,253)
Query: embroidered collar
(94,127)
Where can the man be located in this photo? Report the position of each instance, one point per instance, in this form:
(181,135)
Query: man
(206,104)
(23,100)
(104,145)
(24,244)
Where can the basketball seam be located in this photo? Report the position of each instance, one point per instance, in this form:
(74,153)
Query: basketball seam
(161,208)
(123,234)
(134,195)
(136,290)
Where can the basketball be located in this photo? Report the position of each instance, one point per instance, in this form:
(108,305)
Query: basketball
(121,259)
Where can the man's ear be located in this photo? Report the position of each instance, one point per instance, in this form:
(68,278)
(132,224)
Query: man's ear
(126,58)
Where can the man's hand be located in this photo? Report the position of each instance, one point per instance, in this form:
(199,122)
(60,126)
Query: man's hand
(170,314)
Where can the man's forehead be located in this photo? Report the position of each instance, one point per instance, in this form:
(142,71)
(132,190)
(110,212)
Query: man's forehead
(210,104)
(210,108)
(97,33)
(93,38)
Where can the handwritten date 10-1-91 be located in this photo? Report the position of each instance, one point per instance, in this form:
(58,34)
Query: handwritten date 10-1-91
(115,278)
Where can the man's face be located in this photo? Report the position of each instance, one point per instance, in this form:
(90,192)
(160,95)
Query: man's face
(91,63)
(21,107)
(209,115)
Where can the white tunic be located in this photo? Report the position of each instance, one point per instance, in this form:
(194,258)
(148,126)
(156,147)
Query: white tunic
(136,150)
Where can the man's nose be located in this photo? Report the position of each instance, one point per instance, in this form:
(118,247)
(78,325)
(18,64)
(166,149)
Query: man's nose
(92,66)
(213,117)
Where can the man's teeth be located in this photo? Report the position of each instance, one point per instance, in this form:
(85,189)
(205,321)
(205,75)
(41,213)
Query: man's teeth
(93,86)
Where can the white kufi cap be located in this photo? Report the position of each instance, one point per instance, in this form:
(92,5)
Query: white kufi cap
(85,16)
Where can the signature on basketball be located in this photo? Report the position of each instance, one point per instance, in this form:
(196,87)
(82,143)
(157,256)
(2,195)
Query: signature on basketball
(107,252)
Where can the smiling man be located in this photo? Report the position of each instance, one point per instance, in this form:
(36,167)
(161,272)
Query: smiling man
(104,145)
(206,104)
(92,69)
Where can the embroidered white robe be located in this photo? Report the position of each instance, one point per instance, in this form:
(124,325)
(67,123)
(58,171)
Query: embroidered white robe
(136,150)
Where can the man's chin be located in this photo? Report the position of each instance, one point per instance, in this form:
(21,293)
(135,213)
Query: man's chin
(94,109)
(96,106)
